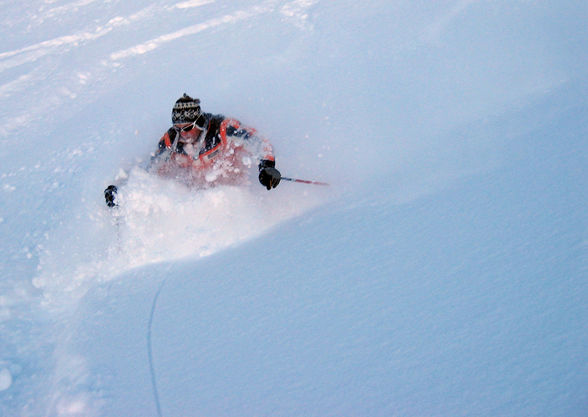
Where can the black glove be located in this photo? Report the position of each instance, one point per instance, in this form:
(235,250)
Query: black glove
(269,176)
(110,195)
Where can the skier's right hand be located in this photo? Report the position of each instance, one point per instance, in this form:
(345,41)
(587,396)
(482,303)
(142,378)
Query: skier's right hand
(110,195)
(269,176)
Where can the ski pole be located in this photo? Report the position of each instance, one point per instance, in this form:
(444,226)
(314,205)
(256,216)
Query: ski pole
(303,181)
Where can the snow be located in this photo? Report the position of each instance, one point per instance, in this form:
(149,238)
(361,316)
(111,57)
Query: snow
(443,272)
(5,379)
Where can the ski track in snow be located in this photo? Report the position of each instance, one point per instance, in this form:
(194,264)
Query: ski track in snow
(63,44)
(159,220)
(153,44)
(77,83)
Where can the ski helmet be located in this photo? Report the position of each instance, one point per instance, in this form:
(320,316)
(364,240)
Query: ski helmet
(186,110)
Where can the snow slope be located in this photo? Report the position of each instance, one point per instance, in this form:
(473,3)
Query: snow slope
(443,273)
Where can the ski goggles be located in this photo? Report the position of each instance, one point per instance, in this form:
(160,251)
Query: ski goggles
(200,123)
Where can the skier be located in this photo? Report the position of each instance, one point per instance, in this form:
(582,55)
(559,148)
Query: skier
(204,149)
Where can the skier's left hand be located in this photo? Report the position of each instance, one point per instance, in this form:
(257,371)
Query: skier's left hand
(269,177)
(110,195)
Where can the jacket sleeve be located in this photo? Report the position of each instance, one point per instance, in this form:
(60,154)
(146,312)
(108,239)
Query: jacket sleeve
(258,146)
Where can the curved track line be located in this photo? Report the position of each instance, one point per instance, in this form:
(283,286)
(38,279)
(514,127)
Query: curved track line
(150,349)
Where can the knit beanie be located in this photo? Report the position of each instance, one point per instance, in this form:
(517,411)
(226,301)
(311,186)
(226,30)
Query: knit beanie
(186,110)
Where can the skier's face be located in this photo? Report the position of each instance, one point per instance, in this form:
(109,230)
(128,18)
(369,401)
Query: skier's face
(189,132)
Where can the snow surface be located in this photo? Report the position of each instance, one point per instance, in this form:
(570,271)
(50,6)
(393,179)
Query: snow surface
(443,273)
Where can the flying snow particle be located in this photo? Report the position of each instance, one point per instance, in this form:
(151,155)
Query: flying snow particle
(5,379)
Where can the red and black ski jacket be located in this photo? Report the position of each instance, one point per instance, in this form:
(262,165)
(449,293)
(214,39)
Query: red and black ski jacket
(228,151)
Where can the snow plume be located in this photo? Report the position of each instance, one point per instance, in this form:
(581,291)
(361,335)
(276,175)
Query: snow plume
(159,220)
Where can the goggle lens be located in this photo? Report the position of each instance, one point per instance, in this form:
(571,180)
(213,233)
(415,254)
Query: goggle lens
(199,122)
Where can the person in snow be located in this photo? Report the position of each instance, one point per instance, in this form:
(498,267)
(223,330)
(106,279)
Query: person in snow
(203,149)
